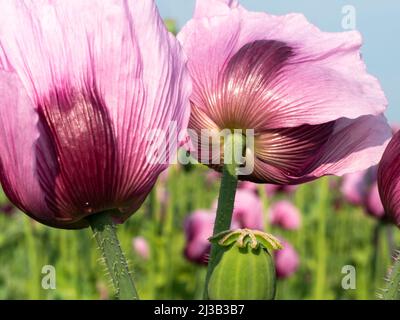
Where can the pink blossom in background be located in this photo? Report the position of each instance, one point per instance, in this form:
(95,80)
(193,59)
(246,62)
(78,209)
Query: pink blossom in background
(353,187)
(389,180)
(285,215)
(286,261)
(212,177)
(273,189)
(81,85)
(373,203)
(198,228)
(314,109)
(163,177)
(247,185)
(141,247)
(361,188)
(199,225)
(162,195)
(247,210)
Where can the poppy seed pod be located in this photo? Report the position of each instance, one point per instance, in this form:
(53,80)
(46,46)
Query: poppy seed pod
(82,84)
(305,94)
(245,268)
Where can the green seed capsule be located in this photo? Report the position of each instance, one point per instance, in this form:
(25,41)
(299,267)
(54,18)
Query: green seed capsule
(244,272)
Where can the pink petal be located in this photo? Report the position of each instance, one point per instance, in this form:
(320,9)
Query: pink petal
(373,202)
(354,145)
(18,160)
(324,79)
(353,187)
(210,8)
(285,215)
(286,261)
(141,247)
(248,210)
(291,150)
(198,228)
(247,185)
(103,75)
(389,179)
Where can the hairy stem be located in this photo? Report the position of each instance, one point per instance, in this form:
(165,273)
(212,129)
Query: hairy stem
(106,237)
(233,152)
(392,289)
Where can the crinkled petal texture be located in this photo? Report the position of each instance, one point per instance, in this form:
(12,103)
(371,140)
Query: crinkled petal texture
(85,88)
(306,93)
(389,180)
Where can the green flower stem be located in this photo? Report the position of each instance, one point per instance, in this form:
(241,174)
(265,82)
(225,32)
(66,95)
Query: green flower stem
(106,237)
(321,243)
(375,256)
(234,145)
(33,261)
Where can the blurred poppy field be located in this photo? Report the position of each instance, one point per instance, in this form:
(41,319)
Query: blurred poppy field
(332,234)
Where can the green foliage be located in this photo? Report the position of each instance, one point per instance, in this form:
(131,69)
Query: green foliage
(346,237)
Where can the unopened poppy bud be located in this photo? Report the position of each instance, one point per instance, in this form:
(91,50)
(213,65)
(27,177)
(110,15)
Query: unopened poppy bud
(246,269)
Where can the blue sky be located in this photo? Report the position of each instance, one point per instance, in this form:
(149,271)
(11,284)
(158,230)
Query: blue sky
(377,20)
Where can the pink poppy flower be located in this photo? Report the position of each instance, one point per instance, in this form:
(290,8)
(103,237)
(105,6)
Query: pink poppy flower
(141,247)
(198,228)
(82,83)
(306,94)
(389,180)
(373,203)
(285,215)
(361,188)
(247,185)
(353,187)
(247,210)
(286,261)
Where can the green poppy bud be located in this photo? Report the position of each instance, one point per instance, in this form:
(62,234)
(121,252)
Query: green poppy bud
(245,268)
